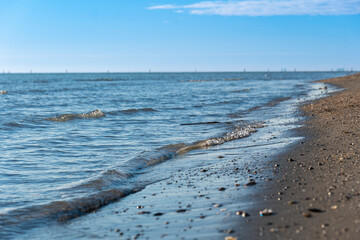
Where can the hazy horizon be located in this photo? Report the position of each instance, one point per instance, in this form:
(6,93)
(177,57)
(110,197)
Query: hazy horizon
(179,36)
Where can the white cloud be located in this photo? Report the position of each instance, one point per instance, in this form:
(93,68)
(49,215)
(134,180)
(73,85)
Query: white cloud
(268,7)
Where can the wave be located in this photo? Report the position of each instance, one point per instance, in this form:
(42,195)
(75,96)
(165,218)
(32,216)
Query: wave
(95,80)
(215,80)
(111,185)
(133,111)
(67,117)
(242,90)
(272,103)
(13,124)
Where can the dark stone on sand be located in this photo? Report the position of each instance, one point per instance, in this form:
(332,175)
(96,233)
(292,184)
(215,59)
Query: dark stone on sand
(222,189)
(143,212)
(221,157)
(203,170)
(158,214)
(181,210)
(315,210)
(291,160)
(251,183)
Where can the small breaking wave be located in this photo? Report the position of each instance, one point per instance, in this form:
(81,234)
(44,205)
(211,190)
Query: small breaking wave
(240,131)
(67,117)
(111,185)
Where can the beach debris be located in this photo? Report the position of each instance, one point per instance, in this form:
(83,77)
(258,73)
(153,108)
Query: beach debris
(230,231)
(315,210)
(3,92)
(292,202)
(274,229)
(222,189)
(334,207)
(266,212)
(250,183)
(242,213)
(230,238)
(291,160)
(306,214)
(203,170)
(139,207)
(221,157)
(324,225)
(143,212)
(217,205)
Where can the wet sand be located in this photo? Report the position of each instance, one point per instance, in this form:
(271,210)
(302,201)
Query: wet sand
(316,189)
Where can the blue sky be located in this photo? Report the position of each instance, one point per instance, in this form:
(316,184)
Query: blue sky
(126,36)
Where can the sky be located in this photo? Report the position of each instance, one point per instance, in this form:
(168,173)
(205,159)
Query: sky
(179,35)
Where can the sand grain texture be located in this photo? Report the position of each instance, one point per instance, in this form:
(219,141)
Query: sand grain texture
(316,194)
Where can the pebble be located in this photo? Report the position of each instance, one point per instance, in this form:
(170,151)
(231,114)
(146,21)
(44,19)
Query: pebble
(315,210)
(266,212)
(221,157)
(217,205)
(230,238)
(181,210)
(292,202)
(222,189)
(158,214)
(307,215)
(242,213)
(143,212)
(251,183)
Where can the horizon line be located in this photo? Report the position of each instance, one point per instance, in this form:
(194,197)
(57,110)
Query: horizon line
(149,72)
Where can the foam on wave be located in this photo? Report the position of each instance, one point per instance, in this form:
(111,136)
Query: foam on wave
(67,117)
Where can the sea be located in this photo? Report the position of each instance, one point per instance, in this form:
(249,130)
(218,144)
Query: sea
(73,143)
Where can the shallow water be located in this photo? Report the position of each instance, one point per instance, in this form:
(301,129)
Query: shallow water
(72,143)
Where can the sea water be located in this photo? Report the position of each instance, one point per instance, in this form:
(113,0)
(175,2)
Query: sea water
(73,143)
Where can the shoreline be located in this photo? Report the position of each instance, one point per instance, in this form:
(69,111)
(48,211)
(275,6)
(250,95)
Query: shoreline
(315,193)
(214,201)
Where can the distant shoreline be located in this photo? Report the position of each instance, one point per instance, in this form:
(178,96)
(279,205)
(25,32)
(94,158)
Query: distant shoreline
(160,72)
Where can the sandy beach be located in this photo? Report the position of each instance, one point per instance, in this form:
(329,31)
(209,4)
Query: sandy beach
(315,193)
